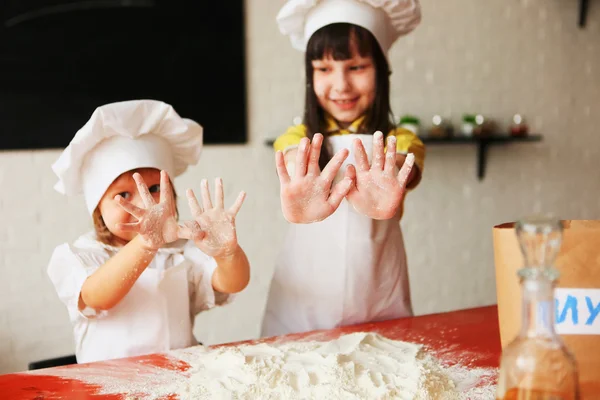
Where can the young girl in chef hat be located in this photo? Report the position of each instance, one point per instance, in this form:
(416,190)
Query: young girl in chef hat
(134,285)
(343,261)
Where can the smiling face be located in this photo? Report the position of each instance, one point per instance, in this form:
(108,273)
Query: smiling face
(347,77)
(345,89)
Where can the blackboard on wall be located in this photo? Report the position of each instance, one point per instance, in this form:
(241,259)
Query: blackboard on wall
(61,59)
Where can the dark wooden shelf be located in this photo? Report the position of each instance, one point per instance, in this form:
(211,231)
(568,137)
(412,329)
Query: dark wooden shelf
(583,12)
(496,139)
(482,143)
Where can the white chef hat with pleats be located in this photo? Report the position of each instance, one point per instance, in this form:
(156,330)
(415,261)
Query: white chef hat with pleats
(387,20)
(121,137)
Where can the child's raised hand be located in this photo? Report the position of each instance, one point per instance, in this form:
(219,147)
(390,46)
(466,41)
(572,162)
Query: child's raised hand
(378,190)
(156,222)
(308,196)
(212,228)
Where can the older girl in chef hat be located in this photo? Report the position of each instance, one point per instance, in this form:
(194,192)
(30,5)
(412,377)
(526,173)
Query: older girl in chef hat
(343,260)
(134,285)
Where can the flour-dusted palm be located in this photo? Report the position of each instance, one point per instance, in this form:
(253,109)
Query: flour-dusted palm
(156,223)
(378,189)
(310,195)
(213,227)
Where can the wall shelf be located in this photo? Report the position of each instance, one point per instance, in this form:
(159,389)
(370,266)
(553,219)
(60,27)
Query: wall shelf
(583,11)
(482,143)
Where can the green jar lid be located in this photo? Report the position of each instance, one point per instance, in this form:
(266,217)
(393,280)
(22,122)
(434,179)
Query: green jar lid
(469,118)
(409,119)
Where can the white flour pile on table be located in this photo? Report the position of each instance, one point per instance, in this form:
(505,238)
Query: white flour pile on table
(355,366)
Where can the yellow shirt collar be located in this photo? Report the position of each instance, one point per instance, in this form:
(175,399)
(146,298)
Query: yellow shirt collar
(331,125)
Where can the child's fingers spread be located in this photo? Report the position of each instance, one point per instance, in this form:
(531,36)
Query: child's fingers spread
(302,157)
(390,154)
(350,173)
(315,153)
(405,170)
(195,207)
(282,171)
(130,208)
(235,208)
(340,191)
(206,201)
(377,163)
(166,191)
(360,156)
(334,165)
(129,227)
(143,190)
(219,196)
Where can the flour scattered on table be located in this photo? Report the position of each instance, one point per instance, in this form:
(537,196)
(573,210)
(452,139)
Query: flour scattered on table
(355,366)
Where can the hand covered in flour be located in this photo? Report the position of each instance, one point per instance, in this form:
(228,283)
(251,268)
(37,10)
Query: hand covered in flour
(156,223)
(310,195)
(212,228)
(378,190)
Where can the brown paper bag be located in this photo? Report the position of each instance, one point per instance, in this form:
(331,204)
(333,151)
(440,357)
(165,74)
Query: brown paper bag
(577,295)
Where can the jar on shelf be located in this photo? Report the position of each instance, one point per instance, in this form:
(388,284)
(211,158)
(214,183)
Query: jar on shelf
(440,127)
(518,126)
(411,123)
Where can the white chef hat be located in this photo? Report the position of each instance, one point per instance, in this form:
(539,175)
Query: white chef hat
(123,136)
(387,20)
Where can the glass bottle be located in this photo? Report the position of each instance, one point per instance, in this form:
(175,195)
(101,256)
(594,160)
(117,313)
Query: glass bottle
(536,365)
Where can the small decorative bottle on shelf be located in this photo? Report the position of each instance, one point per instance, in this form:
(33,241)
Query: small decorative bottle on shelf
(410,123)
(518,127)
(440,128)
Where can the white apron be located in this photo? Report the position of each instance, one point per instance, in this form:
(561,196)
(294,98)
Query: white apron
(345,270)
(153,317)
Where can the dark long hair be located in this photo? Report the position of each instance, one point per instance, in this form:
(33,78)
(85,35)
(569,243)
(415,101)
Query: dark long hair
(338,40)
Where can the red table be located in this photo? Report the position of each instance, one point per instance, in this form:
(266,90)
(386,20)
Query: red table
(470,337)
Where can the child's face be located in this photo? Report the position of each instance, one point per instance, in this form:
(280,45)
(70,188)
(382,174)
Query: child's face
(124,185)
(345,88)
